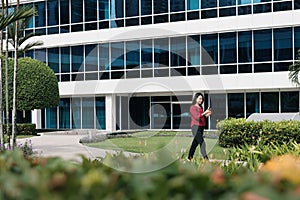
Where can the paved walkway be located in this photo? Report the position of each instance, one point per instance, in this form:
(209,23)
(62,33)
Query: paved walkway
(64,146)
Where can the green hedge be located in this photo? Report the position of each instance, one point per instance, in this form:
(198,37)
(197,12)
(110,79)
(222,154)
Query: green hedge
(22,129)
(238,132)
(54,178)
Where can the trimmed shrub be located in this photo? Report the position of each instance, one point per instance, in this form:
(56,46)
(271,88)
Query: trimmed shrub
(238,132)
(23,129)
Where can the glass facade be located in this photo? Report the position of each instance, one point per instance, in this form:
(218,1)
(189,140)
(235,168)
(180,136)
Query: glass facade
(61,16)
(266,50)
(225,52)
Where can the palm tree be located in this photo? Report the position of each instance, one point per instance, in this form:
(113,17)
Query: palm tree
(5,20)
(294,70)
(22,24)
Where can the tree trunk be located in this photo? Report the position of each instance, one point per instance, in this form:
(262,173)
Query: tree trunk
(1,63)
(14,112)
(6,84)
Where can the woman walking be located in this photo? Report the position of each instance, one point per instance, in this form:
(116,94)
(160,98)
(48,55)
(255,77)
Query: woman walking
(198,121)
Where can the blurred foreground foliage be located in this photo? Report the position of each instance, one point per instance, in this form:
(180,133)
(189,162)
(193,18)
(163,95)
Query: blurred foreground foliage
(117,177)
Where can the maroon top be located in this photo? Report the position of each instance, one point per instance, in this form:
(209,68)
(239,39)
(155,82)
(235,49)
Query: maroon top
(196,116)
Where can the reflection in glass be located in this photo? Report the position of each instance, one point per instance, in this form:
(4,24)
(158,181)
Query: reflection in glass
(104,56)
(177,5)
(160,6)
(269,102)
(283,47)
(133,55)
(245,46)
(139,108)
(146,7)
(132,8)
(236,105)
(193,50)
(208,4)
(53,59)
(90,10)
(289,101)
(64,12)
(40,20)
(51,117)
(88,112)
(76,112)
(65,59)
(227,48)
(296,40)
(64,113)
(209,53)
(77,11)
(100,113)
(91,57)
(262,45)
(146,54)
(117,55)
(77,58)
(52,12)
(178,51)
(161,52)
(252,103)
(103,9)
(192,4)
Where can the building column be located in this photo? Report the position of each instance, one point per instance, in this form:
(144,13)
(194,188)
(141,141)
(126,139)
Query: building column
(110,112)
(36,116)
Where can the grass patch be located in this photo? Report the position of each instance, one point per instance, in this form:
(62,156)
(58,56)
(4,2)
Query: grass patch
(149,141)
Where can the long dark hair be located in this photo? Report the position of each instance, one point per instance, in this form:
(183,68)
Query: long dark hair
(196,96)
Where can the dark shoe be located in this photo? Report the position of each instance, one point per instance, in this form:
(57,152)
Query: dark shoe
(206,157)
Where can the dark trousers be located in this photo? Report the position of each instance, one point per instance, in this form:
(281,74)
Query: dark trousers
(198,140)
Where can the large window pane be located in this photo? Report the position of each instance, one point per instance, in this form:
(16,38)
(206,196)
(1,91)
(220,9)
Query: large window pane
(91,57)
(76,113)
(289,101)
(161,115)
(40,54)
(90,10)
(192,4)
(146,54)
(64,12)
(209,51)
(40,19)
(117,56)
(52,12)
(88,112)
(65,59)
(297,40)
(116,9)
(133,55)
(245,47)
(269,102)
(262,45)
(104,56)
(177,5)
(103,9)
(181,116)
(227,48)
(139,112)
(132,8)
(227,3)
(283,47)
(53,59)
(77,11)
(77,58)
(51,117)
(100,113)
(242,2)
(178,51)
(161,52)
(146,7)
(252,103)
(236,105)
(208,4)
(160,6)
(64,113)
(193,50)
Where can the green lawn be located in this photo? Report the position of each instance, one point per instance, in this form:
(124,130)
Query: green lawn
(145,142)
